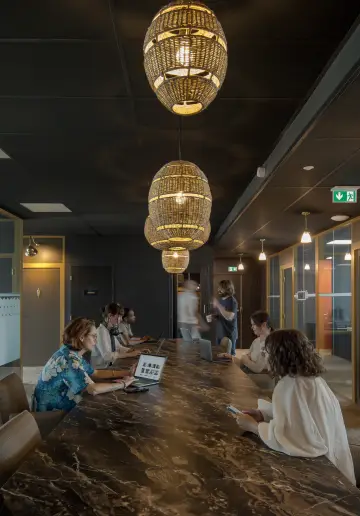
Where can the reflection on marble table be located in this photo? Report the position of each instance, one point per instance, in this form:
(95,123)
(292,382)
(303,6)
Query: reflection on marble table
(173,451)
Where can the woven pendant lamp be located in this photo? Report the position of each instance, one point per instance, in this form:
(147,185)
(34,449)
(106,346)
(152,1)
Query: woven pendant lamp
(180,203)
(185,56)
(156,239)
(175,262)
(200,239)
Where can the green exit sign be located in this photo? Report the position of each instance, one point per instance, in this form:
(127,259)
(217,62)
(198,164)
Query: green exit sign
(345,195)
(232,269)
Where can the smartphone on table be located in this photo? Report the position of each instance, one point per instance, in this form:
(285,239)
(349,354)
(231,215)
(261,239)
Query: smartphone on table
(233,410)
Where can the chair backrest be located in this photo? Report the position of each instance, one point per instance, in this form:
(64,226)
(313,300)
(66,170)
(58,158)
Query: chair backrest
(18,437)
(13,399)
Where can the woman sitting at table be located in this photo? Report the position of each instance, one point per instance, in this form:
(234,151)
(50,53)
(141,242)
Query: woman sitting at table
(256,360)
(66,376)
(110,344)
(126,330)
(304,418)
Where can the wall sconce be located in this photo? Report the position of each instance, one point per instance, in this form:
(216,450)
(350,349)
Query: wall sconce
(31,250)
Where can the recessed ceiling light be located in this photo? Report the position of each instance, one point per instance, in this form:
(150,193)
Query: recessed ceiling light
(308,167)
(339,242)
(3,155)
(45,207)
(339,218)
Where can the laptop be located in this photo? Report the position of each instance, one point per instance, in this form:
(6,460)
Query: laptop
(149,370)
(186,335)
(160,342)
(206,353)
(156,341)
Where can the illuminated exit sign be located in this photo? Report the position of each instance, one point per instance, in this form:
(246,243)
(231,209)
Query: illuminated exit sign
(342,194)
(232,269)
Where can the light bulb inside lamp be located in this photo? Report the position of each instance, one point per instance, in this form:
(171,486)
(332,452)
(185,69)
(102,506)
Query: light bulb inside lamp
(347,257)
(183,55)
(307,267)
(306,238)
(175,255)
(240,267)
(262,256)
(180,198)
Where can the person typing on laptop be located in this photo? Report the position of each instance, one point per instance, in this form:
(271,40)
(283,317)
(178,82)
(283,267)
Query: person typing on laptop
(109,346)
(128,319)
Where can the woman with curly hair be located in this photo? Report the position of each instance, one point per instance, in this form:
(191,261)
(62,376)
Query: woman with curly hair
(304,418)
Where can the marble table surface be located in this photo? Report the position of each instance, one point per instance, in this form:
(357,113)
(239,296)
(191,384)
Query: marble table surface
(173,451)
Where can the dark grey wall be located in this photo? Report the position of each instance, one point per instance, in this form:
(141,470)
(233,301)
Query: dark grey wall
(139,279)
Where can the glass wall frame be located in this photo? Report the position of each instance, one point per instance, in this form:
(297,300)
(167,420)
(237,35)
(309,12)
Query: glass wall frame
(11,231)
(310,284)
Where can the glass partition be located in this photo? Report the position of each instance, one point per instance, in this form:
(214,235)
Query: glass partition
(10,279)
(274,291)
(334,298)
(304,295)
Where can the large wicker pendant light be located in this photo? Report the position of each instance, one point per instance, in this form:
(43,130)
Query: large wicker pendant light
(180,203)
(156,239)
(200,239)
(185,56)
(175,262)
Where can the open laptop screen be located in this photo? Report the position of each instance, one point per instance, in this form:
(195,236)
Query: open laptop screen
(150,367)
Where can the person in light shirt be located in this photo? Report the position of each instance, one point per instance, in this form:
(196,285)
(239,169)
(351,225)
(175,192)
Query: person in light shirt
(110,346)
(188,311)
(304,418)
(256,360)
(125,329)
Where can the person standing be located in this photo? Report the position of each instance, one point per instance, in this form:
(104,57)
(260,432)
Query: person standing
(226,313)
(188,311)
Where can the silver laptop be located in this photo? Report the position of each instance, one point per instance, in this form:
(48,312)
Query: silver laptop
(160,342)
(186,335)
(206,353)
(149,370)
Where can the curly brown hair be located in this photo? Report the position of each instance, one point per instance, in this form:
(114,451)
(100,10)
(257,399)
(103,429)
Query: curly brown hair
(227,287)
(292,354)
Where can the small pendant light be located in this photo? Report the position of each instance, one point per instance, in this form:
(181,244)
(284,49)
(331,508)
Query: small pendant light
(306,237)
(262,255)
(241,265)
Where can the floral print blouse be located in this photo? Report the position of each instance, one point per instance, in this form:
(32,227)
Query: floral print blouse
(62,381)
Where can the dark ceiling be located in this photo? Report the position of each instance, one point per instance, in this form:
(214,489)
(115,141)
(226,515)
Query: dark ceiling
(331,145)
(83,127)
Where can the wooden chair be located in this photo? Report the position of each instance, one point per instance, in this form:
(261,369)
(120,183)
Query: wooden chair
(13,400)
(18,437)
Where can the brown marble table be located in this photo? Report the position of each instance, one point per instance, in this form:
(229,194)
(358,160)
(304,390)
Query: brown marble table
(173,451)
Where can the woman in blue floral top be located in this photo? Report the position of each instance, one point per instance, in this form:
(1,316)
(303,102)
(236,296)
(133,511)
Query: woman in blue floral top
(66,376)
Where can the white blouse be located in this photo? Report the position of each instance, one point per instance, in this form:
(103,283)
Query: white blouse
(258,357)
(101,355)
(305,420)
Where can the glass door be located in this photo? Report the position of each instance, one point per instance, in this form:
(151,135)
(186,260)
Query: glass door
(357,325)
(286,297)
